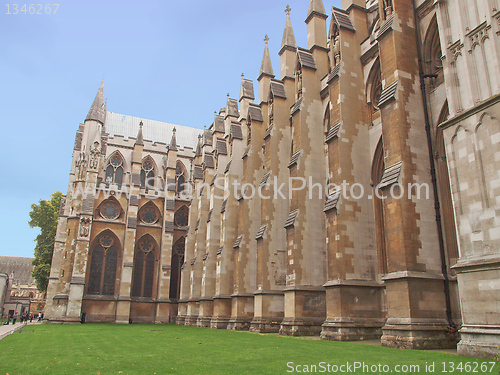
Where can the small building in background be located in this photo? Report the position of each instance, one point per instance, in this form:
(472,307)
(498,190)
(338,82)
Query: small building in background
(18,291)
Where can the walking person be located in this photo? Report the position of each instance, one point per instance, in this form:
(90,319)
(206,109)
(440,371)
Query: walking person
(14,319)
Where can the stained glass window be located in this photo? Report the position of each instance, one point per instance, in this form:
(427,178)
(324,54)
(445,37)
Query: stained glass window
(181,217)
(110,210)
(144,269)
(148,215)
(95,271)
(114,171)
(147,173)
(103,267)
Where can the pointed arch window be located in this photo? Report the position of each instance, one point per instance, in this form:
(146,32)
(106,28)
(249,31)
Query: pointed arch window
(181,217)
(144,268)
(378,167)
(103,266)
(176,263)
(114,170)
(180,176)
(147,173)
(374,90)
(433,55)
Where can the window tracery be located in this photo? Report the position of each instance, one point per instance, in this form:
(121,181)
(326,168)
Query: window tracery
(180,176)
(109,210)
(144,268)
(147,173)
(103,266)
(149,214)
(181,217)
(114,170)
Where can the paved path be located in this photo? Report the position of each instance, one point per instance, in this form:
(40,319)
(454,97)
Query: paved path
(6,330)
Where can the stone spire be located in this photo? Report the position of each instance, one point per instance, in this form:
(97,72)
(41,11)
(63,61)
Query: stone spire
(173,141)
(288,40)
(140,139)
(266,67)
(98,110)
(316,25)
(198,146)
(315,7)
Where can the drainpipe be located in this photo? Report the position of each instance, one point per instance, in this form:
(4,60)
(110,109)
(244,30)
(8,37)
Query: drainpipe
(437,208)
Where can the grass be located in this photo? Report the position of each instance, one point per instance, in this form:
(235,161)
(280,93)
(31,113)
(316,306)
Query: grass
(171,349)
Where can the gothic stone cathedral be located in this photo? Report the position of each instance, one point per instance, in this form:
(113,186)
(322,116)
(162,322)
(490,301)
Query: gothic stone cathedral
(389,94)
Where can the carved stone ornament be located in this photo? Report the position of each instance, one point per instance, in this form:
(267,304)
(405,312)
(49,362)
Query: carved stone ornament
(336,50)
(478,35)
(81,164)
(271,111)
(387,8)
(455,50)
(85,226)
(95,154)
(299,83)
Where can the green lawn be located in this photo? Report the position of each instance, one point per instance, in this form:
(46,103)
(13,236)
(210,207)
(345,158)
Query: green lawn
(171,349)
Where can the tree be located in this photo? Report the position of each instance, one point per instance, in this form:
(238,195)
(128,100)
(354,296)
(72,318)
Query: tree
(44,216)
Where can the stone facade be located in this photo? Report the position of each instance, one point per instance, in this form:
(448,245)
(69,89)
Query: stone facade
(354,198)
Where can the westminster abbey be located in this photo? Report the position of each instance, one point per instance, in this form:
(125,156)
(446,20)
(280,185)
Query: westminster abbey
(356,197)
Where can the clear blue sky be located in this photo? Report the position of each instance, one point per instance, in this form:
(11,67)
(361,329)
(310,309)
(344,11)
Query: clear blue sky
(171,61)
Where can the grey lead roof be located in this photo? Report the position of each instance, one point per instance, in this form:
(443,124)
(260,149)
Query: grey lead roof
(198,172)
(334,73)
(255,113)
(290,220)
(237,243)
(265,178)
(153,131)
(236,131)
(207,137)
(247,150)
(306,58)
(278,89)
(342,19)
(268,131)
(221,146)
(228,166)
(386,26)
(391,175)
(294,158)
(296,106)
(261,231)
(219,124)
(388,93)
(332,201)
(18,269)
(246,90)
(333,132)
(209,161)
(232,108)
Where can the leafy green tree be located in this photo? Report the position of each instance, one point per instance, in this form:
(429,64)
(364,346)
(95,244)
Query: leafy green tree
(44,216)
